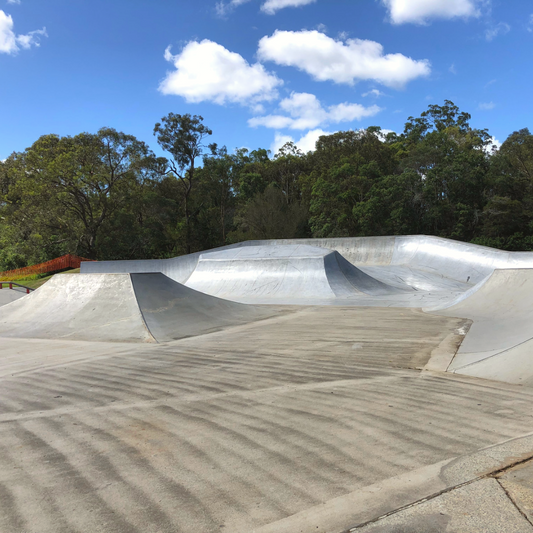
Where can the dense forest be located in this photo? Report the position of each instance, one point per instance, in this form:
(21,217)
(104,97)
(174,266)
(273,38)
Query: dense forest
(107,196)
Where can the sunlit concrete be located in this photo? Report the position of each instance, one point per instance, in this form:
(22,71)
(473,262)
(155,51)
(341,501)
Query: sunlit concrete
(381,385)
(121,308)
(10,295)
(244,429)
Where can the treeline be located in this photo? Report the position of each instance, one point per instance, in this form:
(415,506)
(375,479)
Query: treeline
(107,196)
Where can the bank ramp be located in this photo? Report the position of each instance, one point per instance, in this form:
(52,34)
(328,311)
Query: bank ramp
(290,273)
(141,308)
(499,344)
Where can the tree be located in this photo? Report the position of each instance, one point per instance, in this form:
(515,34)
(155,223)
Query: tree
(68,187)
(345,167)
(216,184)
(182,137)
(268,216)
(452,161)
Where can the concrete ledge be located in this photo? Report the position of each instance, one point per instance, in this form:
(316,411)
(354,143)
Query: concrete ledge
(353,510)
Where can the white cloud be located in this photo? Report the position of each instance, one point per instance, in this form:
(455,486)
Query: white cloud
(382,135)
(279,141)
(206,71)
(306,143)
(10,43)
(452,69)
(13,1)
(325,58)
(421,11)
(304,111)
(373,92)
(493,145)
(486,106)
(271,6)
(500,29)
(530,25)
(222,8)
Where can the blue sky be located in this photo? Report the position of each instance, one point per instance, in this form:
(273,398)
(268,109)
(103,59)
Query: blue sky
(260,72)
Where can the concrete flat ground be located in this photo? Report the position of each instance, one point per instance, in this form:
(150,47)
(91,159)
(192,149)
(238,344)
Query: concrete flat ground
(10,295)
(279,425)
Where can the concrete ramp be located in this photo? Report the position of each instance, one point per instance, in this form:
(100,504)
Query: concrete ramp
(120,308)
(419,263)
(282,273)
(499,344)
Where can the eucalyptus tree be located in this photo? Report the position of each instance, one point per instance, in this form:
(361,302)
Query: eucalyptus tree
(182,136)
(67,188)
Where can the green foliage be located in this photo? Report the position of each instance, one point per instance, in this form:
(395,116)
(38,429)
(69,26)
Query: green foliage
(107,196)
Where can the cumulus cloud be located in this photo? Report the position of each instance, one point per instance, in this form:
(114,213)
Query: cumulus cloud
(10,43)
(421,11)
(376,93)
(500,29)
(223,8)
(493,145)
(382,134)
(486,106)
(271,6)
(306,143)
(206,71)
(304,111)
(325,58)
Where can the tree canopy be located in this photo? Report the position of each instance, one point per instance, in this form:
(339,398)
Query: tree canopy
(107,196)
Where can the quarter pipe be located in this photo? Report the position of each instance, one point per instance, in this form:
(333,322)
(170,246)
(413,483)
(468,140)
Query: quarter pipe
(121,308)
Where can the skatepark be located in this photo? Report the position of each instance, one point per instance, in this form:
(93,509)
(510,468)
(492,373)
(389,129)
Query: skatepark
(379,384)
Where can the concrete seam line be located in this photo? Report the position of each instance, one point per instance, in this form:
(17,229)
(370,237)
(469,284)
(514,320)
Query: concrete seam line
(468,326)
(492,474)
(512,501)
(493,355)
(413,504)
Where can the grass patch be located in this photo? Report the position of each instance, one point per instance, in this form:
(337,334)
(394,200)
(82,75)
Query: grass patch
(36,280)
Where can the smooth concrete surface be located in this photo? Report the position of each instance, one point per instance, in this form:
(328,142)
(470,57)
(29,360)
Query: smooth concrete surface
(120,308)
(498,345)
(347,408)
(402,271)
(285,273)
(482,506)
(10,295)
(99,307)
(419,261)
(246,427)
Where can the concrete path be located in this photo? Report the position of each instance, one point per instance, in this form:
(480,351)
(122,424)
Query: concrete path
(242,429)
(10,295)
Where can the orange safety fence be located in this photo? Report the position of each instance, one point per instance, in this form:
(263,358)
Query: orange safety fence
(55,265)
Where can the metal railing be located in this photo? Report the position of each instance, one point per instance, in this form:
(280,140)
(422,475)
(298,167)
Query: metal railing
(11,283)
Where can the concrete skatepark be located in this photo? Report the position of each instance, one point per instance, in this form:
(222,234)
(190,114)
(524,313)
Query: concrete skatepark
(380,384)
